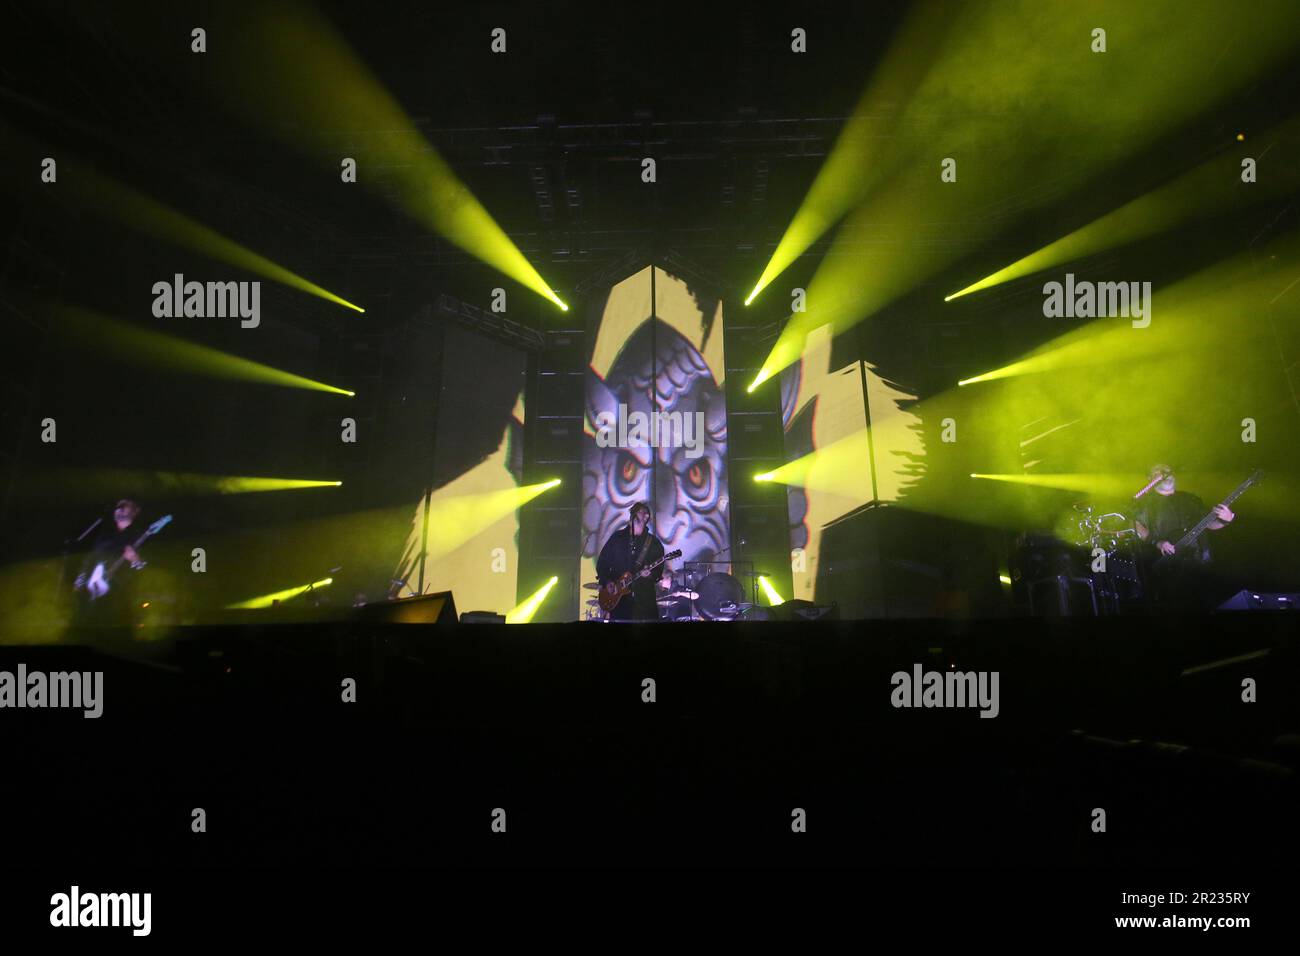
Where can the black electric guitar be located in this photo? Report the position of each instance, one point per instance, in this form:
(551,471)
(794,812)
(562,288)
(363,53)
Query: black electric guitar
(613,591)
(1183,544)
(97,584)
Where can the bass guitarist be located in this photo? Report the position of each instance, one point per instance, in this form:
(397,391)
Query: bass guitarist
(631,548)
(113,542)
(1161,519)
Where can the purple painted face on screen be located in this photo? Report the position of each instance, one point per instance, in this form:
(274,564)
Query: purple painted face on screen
(688,491)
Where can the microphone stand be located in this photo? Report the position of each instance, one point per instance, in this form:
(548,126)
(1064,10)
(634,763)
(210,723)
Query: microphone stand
(753,580)
(1149,485)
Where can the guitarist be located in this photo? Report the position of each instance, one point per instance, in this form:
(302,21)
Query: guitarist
(631,548)
(1162,518)
(112,542)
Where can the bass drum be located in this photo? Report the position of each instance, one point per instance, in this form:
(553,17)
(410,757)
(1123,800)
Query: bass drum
(721,597)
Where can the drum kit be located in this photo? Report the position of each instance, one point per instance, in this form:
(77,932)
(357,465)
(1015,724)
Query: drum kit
(697,593)
(1116,537)
(1112,531)
(1087,566)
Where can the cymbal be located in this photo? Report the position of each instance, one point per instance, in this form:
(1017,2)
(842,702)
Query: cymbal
(592,586)
(685,595)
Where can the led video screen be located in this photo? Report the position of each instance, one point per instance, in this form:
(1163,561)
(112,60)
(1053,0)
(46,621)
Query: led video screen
(656,419)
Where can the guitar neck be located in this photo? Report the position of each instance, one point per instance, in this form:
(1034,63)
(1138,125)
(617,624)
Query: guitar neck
(1199,528)
(667,557)
(121,558)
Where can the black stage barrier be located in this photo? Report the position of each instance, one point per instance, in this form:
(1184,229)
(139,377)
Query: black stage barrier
(442,724)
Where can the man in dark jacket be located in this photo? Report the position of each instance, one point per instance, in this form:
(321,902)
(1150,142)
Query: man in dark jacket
(631,548)
(1163,517)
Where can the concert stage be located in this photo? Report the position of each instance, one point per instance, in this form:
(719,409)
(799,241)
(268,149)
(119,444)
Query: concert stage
(852,435)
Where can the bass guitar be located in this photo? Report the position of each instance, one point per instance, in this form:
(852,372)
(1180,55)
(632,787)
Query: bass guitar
(1183,544)
(613,591)
(97,582)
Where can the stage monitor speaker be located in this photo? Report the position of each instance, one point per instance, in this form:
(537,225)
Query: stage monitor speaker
(437,608)
(1261,601)
(482,617)
(797,609)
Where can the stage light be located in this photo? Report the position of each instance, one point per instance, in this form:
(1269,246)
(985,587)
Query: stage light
(765,476)
(300,80)
(266,600)
(1004,578)
(238,486)
(866,150)
(448,557)
(896,236)
(840,469)
(1207,190)
(1187,318)
(773,598)
(1116,485)
(1077,418)
(523,613)
(455,518)
(89,484)
(101,193)
(86,329)
(138,211)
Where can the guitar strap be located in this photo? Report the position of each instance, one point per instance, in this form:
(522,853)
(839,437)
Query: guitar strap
(640,555)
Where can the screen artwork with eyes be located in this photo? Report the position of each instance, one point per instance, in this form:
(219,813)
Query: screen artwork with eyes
(656,418)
